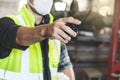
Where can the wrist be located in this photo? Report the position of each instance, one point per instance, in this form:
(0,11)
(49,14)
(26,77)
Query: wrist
(41,32)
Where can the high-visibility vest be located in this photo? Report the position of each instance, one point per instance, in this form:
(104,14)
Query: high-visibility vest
(28,64)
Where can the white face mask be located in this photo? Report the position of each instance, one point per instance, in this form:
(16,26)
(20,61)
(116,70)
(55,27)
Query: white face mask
(43,7)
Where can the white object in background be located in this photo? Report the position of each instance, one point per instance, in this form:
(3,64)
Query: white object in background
(62,76)
(60,6)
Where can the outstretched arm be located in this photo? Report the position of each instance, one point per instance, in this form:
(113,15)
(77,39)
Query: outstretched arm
(56,30)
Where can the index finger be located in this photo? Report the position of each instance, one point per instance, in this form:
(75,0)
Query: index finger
(71,20)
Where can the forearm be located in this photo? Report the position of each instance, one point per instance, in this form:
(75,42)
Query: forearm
(26,36)
(69,72)
(56,30)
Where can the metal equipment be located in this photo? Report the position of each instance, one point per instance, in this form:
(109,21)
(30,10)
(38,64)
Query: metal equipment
(114,56)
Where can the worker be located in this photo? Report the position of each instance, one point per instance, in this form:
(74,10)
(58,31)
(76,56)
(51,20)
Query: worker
(32,46)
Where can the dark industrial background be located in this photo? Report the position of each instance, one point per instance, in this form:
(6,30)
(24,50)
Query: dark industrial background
(90,49)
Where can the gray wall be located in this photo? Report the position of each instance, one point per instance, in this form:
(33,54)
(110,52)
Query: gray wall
(8,6)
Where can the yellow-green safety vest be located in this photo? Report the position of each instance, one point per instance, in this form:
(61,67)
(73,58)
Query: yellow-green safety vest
(28,65)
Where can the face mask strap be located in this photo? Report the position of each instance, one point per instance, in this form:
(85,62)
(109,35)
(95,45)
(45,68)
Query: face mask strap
(30,3)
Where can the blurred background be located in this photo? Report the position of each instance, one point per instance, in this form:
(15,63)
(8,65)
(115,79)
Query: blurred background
(89,51)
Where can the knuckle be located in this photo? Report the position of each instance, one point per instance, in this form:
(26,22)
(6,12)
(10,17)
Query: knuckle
(69,38)
(60,19)
(71,18)
(56,23)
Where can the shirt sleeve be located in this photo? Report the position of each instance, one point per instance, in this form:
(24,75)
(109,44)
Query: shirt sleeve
(64,58)
(8,32)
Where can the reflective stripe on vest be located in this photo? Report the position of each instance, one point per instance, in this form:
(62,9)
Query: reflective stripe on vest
(21,65)
(20,76)
(24,76)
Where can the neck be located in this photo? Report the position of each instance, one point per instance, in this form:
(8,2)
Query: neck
(38,17)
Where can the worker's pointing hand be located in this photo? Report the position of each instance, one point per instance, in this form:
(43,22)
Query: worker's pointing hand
(58,29)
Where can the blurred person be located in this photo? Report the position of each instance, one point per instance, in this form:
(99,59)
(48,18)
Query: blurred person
(32,46)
